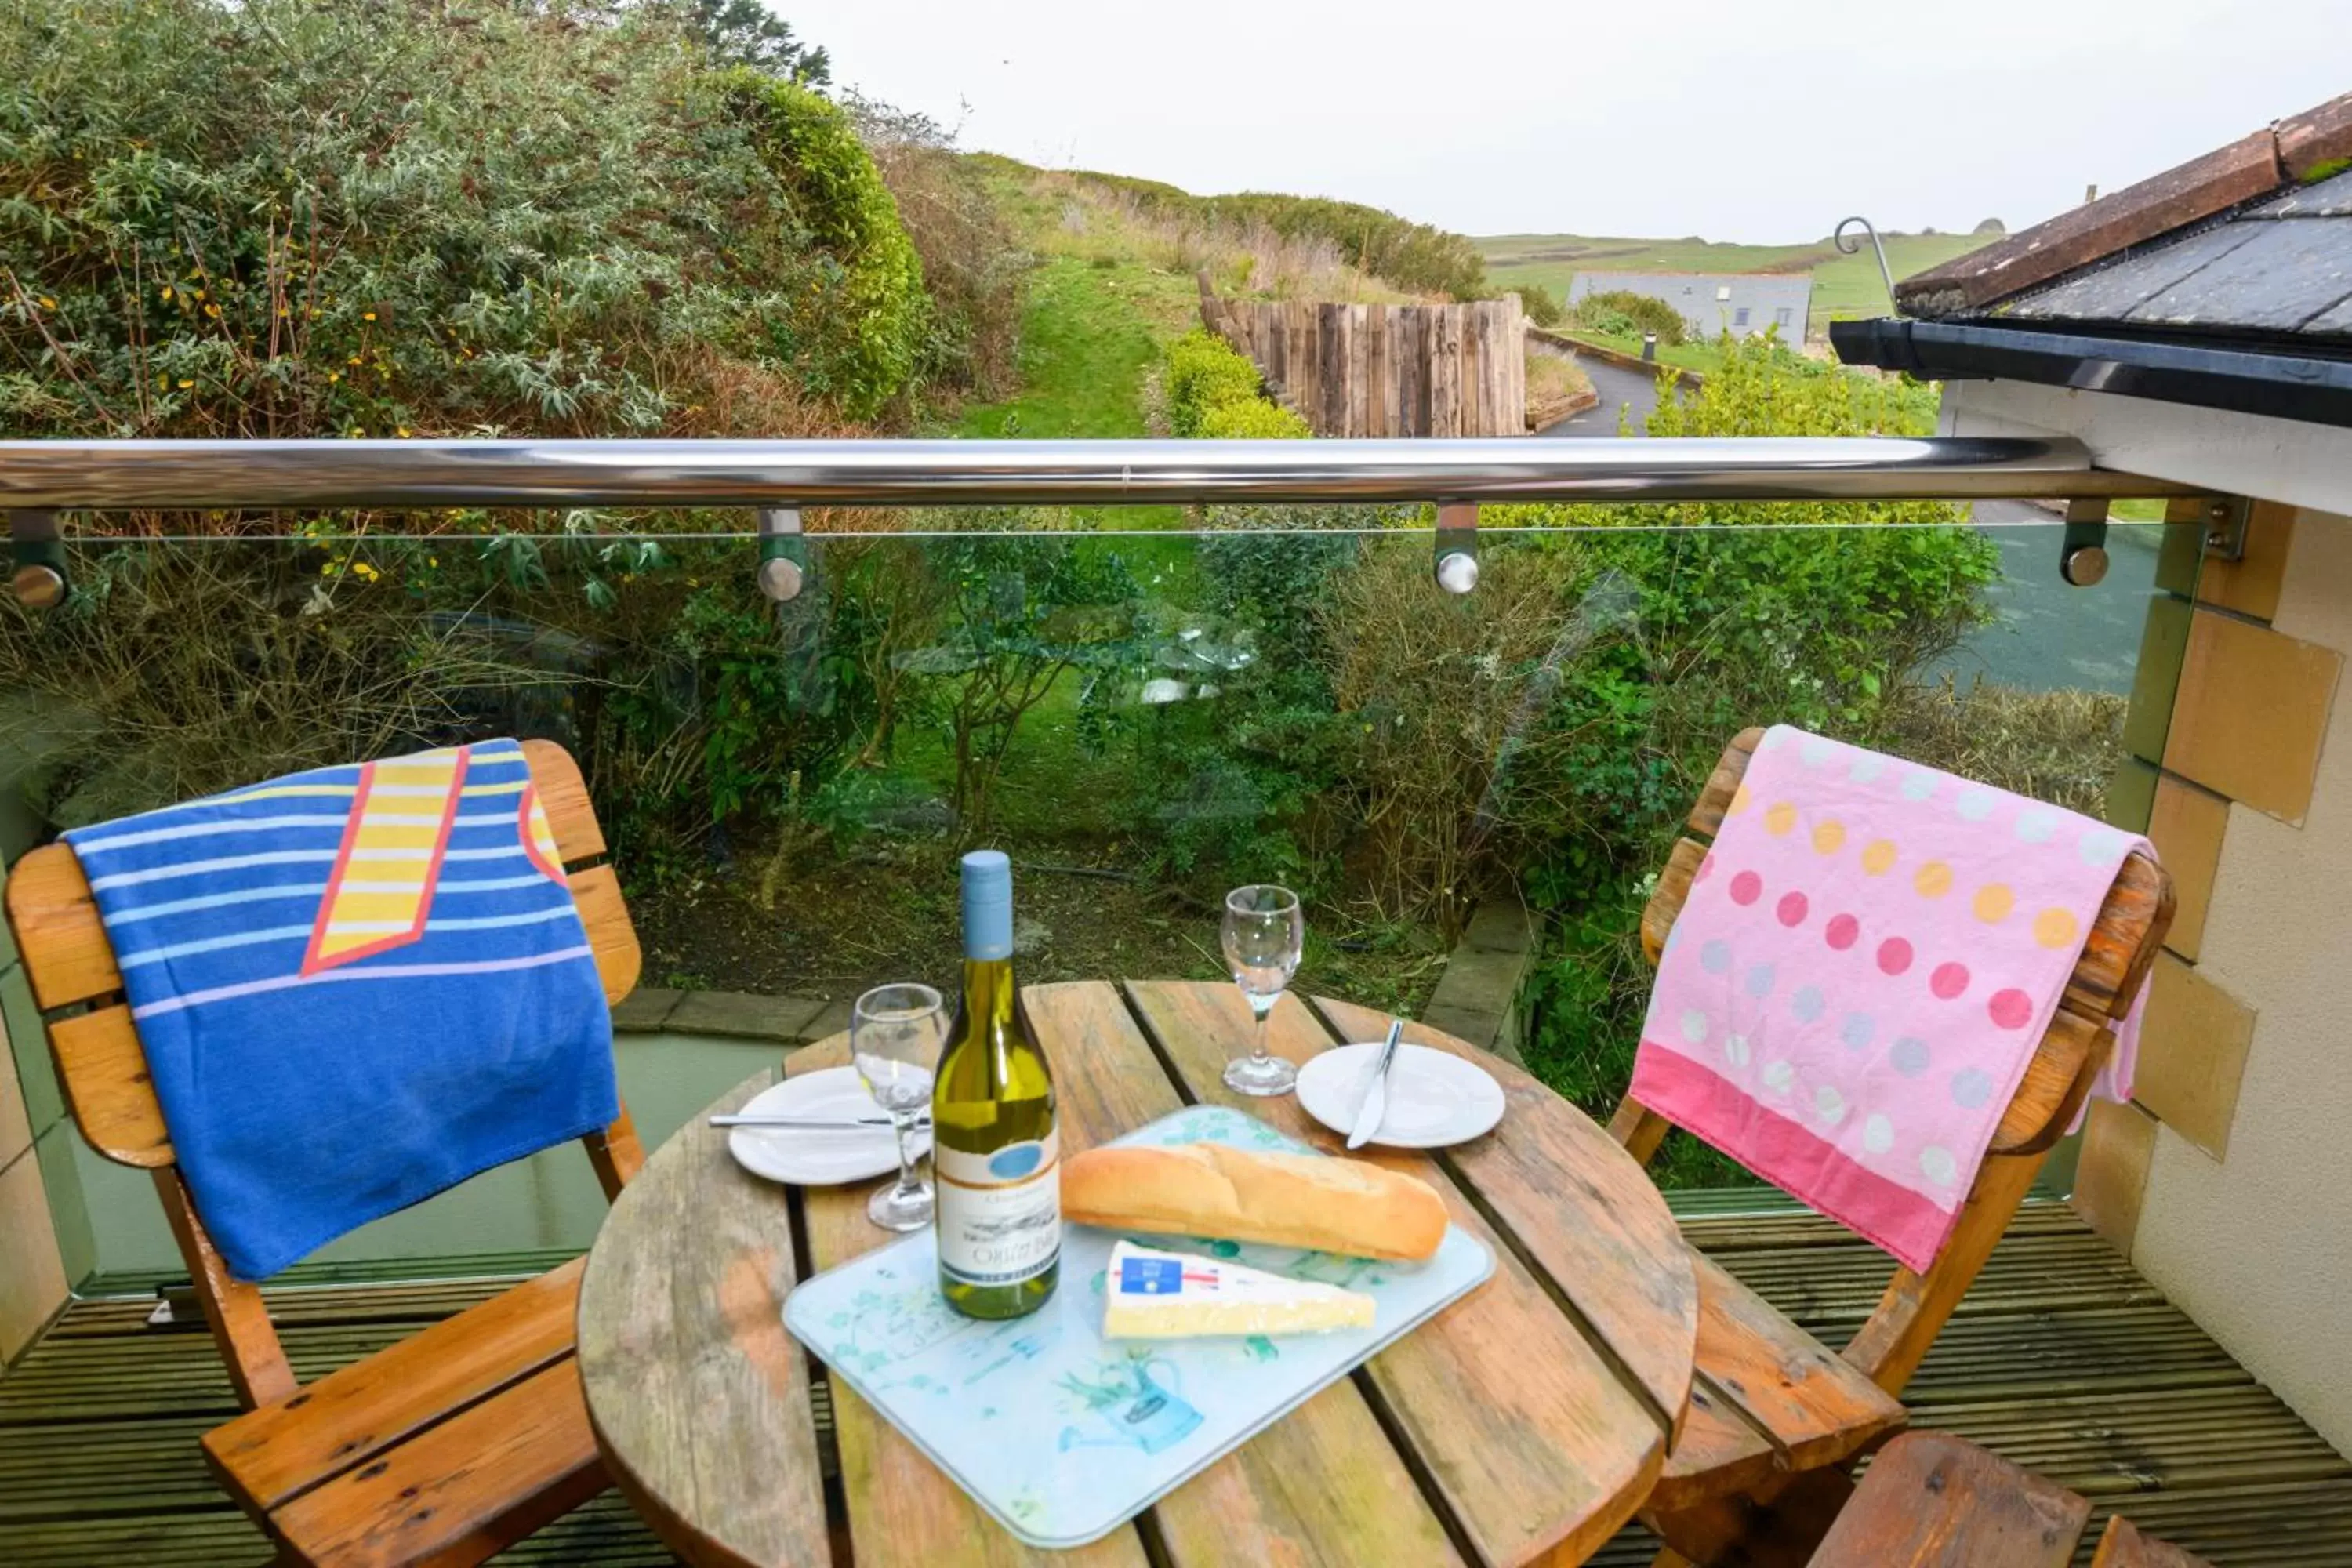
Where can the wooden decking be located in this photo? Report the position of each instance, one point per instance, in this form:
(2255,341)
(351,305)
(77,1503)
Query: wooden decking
(2062,1358)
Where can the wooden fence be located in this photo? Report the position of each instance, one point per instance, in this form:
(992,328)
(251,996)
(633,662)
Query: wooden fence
(1386,370)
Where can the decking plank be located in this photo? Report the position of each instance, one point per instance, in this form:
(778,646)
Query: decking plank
(2062,1359)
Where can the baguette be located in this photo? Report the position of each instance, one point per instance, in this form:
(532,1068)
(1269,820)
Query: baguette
(1288,1200)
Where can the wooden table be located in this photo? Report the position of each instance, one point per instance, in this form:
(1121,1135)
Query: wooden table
(1524,1424)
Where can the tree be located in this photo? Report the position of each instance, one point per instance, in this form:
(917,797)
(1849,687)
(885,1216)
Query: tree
(1025,611)
(746,33)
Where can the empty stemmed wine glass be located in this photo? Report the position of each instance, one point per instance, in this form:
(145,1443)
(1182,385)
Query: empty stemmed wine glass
(1264,932)
(895,1035)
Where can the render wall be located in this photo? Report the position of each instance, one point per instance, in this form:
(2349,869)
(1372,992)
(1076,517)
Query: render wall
(2228,1180)
(2256,1244)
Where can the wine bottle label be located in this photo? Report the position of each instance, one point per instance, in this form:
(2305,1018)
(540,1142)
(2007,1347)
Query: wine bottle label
(1000,1212)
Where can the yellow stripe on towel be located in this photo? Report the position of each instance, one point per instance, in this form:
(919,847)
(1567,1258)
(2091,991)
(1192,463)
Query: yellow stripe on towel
(350,925)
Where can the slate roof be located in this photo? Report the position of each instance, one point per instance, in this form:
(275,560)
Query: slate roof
(2252,242)
(1748,304)
(2277,267)
(2224,283)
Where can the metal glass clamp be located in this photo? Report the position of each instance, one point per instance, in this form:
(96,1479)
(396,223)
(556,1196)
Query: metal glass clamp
(2083,552)
(37,559)
(783,553)
(175,1305)
(1456,562)
(2225,527)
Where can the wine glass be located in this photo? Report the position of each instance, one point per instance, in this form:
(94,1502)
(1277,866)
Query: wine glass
(895,1035)
(1264,932)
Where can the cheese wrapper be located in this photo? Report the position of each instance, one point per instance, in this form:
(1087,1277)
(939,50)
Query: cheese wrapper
(1153,1295)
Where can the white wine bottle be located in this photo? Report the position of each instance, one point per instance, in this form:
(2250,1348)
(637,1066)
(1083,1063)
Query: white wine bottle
(994,1148)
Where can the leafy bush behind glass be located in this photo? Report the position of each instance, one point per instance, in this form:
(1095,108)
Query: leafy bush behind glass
(346,218)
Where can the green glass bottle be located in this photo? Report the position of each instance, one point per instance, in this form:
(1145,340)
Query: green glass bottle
(993,1145)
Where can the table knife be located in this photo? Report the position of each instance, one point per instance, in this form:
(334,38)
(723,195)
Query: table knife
(811,1124)
(1375,1103)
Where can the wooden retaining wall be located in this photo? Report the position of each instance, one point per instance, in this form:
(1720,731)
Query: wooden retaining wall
(1385,369)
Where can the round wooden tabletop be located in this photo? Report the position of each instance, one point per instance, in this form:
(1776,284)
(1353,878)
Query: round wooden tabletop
(1526,1423)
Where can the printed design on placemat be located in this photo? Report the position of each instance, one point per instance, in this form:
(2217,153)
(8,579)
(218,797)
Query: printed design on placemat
(886,1331)
(1060,1433)
(1137,1398)
(1215,1124)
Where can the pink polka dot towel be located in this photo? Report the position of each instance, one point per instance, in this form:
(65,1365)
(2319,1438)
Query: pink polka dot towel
(1868,957)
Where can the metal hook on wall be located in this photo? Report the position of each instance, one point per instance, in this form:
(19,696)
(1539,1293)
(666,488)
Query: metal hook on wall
(1854,247)
(38,559)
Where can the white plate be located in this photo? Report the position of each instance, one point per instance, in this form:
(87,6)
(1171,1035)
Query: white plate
(1436,1099)
(818,1156)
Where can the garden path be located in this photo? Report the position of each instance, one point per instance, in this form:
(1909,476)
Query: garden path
(1617,386)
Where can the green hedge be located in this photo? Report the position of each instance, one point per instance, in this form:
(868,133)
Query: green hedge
(1214,392)
(1623,313)
(861,321)
(1414,256)
(310,217)
(1254,420)
(343,217)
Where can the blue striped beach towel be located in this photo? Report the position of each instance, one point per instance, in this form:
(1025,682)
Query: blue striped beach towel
(355,987)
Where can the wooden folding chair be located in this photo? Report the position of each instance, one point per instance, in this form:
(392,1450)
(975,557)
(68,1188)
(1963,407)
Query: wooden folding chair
(443,1448)
(1758,1469)
(1934,1502)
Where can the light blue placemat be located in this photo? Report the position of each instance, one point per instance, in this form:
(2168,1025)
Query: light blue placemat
(1060,1433)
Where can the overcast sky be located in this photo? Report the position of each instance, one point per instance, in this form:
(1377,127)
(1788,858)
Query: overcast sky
(1763,120)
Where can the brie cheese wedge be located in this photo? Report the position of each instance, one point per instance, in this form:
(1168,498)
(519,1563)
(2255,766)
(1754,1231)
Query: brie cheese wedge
(1153,1295)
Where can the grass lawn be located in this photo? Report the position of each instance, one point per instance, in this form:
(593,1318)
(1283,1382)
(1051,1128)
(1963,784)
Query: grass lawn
(1088,336)
(1703,358)
(789,916)
(1844,285)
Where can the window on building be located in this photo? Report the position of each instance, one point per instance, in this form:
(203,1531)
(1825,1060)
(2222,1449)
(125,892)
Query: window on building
(1739,317)
(1780,317)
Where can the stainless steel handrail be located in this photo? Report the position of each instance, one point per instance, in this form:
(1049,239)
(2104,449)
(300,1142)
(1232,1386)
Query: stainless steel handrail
(265,474)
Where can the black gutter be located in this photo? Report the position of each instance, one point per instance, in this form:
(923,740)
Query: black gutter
(2284,386)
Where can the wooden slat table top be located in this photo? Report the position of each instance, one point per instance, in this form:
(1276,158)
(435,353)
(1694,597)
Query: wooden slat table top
(698,1398)
(1523,1424)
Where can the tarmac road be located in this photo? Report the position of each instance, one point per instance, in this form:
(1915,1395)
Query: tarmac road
(1618,388)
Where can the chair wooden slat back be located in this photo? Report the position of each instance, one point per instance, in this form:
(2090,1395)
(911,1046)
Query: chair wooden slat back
(2122,946)
(70,963)
(104,1069)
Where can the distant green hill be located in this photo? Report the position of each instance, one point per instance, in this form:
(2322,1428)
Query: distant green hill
(1844,285)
